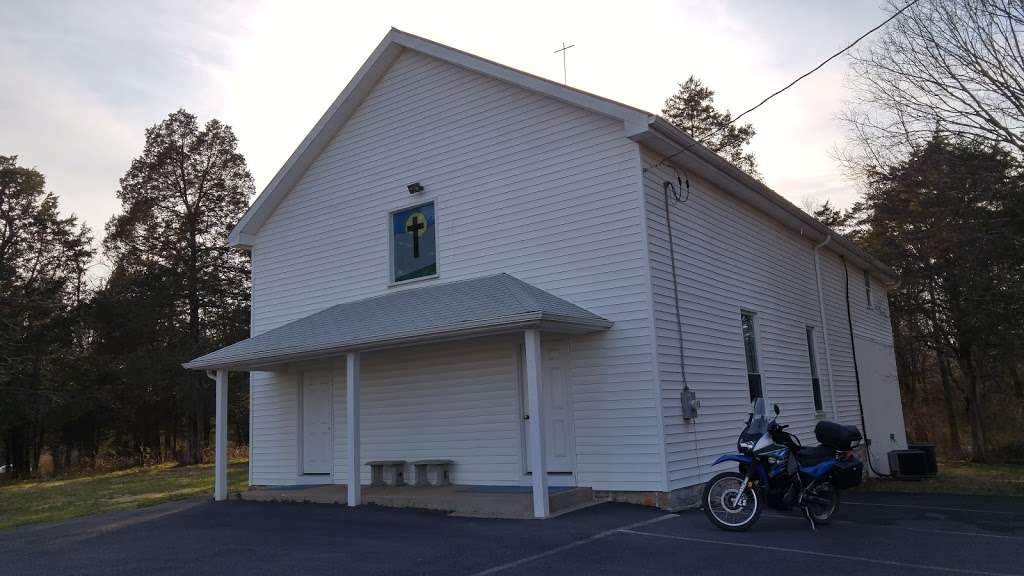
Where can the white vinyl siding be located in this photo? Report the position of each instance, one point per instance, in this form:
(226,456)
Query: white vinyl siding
(731,257)
(523,184)
(455,400)
(870,320)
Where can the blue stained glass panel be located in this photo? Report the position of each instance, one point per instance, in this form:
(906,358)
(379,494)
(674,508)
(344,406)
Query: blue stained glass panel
(414,243)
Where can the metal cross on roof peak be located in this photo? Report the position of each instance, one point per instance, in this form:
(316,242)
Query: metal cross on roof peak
(563,50)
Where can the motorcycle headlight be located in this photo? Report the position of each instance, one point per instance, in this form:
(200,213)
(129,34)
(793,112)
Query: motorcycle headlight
(746,446)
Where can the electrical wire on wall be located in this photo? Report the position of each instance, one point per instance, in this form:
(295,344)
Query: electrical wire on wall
(677,194)
(680,195)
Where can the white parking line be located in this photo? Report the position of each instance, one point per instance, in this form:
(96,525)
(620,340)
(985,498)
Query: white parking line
(942,508)
(898,527)
(553,551)
(818,554)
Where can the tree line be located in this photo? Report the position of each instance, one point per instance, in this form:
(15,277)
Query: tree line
(936,126)
(90,369)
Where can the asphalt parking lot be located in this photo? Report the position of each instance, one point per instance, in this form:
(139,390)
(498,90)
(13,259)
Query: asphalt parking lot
(873,534)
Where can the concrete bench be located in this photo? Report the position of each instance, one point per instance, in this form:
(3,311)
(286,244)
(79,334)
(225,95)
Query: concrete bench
(433,472)
(387,472)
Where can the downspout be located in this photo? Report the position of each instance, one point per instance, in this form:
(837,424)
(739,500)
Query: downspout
(824,326)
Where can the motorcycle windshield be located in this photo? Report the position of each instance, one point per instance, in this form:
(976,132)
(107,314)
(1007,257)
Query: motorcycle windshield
(758,425)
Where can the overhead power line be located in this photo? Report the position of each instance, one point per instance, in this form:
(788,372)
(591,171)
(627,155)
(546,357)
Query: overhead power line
(801,77)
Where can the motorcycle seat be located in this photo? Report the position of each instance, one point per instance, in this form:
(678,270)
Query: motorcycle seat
(811,455)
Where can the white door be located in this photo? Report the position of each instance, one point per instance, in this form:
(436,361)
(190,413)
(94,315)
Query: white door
(557,409)
(317,427)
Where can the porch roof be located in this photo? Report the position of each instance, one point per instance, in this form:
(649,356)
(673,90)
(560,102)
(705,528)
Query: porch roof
(490,304)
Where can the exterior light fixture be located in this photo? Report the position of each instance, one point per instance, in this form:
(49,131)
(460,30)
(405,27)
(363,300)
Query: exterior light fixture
(415,187)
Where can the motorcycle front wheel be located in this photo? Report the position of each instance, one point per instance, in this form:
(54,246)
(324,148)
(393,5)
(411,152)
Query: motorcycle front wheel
(728,504)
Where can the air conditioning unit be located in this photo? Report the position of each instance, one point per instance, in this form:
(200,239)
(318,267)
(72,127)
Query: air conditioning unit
(932,467)
(908,464)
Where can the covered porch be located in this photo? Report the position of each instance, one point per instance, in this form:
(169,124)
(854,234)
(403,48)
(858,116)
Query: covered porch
(347,334)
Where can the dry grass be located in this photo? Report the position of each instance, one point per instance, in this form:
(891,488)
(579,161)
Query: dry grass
(34,501)
(960,478)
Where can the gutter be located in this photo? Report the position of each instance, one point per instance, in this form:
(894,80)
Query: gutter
(664,138)
(516,322)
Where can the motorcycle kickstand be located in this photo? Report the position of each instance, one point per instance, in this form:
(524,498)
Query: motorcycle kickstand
(810,518)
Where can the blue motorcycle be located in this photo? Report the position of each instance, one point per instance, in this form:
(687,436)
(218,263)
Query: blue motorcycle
(775,468)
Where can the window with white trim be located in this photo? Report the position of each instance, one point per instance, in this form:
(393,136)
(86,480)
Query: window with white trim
(867,287)
(754,386)
(413,243)
(813,359)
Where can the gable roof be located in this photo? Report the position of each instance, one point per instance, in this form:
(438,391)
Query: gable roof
(644,127)
(489,304)
(357,89)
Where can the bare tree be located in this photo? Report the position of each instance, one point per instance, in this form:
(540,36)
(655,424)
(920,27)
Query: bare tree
(943,66)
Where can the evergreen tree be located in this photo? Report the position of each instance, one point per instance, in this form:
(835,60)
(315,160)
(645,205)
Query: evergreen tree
(833,217)
(179,199)
(43,260)
(692,110)
(949,220)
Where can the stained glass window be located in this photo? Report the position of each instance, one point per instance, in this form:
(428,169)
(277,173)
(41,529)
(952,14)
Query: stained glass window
(413,243)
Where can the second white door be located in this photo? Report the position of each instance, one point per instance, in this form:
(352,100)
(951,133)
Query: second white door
(559,449)
(317,425)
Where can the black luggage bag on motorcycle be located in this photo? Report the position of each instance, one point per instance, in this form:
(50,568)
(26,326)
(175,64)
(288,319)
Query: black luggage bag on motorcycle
(837,436)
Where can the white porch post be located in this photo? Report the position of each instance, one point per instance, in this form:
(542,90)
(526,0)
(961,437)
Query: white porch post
(352,388)
(220,482)
(533,394)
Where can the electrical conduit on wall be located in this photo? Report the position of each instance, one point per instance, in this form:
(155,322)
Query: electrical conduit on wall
(679,198)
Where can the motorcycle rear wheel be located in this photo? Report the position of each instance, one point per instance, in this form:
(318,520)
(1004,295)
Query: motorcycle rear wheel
(728,504)
(822,512)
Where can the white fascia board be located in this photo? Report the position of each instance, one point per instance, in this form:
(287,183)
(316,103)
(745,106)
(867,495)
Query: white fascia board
(243,234)
(545,322)
(242,240)
(664,138)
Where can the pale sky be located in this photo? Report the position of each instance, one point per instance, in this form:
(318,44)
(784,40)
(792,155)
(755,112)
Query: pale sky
(80,81)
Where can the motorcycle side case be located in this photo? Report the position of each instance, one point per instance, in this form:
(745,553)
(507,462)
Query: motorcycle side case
(837,436)
(847,473)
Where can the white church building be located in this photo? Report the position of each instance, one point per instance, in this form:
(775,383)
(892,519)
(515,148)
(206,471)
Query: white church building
(465,262)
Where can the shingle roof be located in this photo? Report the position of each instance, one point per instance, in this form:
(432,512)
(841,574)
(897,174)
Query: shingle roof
(479,305)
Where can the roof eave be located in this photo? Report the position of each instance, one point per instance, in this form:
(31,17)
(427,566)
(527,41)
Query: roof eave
(544,322)
(243,234)
(662,137)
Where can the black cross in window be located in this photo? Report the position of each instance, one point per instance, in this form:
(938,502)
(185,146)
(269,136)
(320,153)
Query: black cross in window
(414,228)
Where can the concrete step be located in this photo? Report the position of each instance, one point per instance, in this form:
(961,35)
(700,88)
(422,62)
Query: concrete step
(571,499)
